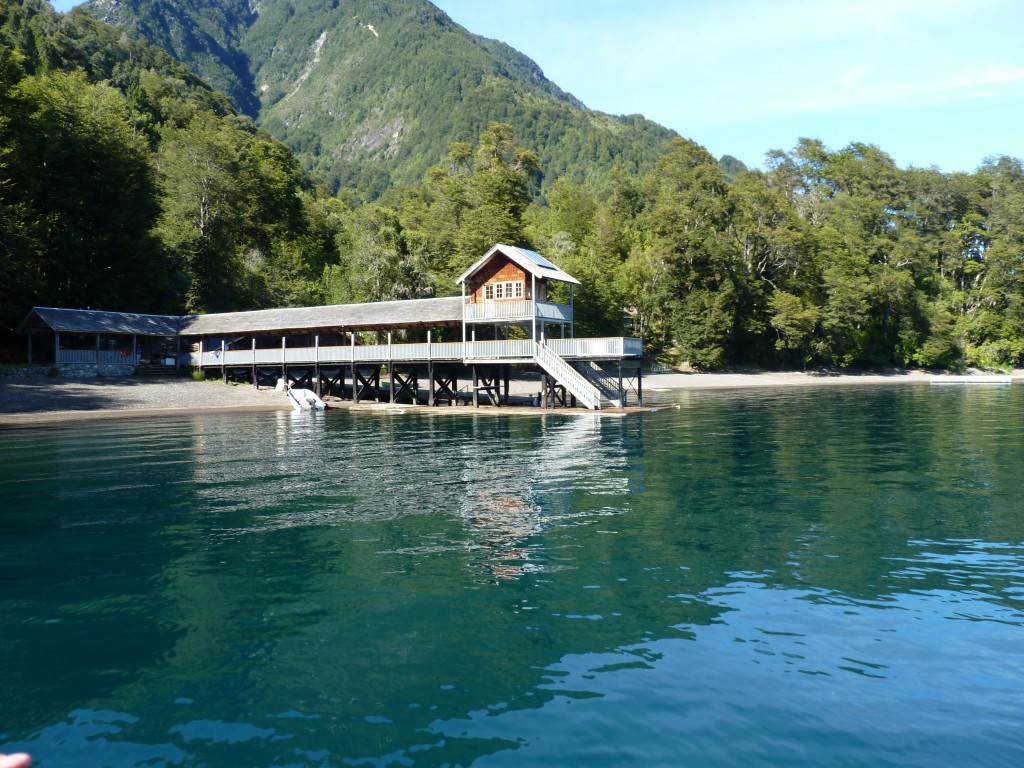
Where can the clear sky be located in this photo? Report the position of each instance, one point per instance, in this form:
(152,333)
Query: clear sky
(931,82)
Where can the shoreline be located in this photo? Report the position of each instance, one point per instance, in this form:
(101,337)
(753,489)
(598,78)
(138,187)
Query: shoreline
(27,402)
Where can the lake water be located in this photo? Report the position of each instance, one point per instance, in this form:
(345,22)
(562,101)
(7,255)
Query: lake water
(790,577)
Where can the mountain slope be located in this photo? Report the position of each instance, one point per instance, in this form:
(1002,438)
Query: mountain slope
(369,93)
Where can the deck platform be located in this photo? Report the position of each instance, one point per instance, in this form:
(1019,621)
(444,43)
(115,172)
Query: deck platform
(572,371)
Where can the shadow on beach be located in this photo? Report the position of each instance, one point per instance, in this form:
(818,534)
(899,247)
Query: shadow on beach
(55,394)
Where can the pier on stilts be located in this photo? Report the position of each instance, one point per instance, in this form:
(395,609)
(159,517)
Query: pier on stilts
(458,350)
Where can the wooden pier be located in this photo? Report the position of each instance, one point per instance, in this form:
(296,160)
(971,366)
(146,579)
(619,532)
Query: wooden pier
(420,350)
(587,372)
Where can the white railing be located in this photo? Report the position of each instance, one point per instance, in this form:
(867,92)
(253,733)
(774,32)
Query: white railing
(606,383)
(508,349)
(567,376)
(94,357)
(516,310)
(549,311)
(497,310)
(615,346)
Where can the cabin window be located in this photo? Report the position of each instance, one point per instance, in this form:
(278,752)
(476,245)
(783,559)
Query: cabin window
(504,290)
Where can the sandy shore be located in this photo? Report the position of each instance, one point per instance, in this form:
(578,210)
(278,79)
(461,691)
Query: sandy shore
(27,402)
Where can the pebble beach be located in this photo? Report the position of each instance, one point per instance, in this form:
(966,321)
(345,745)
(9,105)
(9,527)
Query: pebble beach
(33,401)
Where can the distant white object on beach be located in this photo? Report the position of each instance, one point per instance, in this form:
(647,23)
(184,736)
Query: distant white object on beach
(306,400)
(976,378)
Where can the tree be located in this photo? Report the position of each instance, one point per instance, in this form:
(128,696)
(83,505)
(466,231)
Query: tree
(795,320)
(378,265)
(689,216)
(477,198)
(203,217)
(85,174)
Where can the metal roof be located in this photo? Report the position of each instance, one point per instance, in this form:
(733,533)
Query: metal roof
(97,321)
(529,260)
(382,315)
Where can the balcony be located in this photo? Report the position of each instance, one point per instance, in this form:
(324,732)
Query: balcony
(516,311)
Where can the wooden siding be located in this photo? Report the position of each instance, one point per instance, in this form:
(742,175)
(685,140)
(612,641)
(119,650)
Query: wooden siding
(499,270)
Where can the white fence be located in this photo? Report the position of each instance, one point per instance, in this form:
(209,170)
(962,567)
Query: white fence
(511,349)
(596,349)
(516,310)
(94,357)
(508,349)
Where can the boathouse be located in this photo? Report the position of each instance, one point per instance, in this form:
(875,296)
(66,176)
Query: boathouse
(435,351)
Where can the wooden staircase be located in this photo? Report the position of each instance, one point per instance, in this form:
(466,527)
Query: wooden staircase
(574,381)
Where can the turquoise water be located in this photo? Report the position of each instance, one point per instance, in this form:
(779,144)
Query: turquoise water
(808,577)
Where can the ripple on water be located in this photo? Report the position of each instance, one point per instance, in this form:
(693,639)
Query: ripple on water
(822,576)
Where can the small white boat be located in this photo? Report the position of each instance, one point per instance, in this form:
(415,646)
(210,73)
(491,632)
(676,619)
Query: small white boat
(973,378)
(305,400)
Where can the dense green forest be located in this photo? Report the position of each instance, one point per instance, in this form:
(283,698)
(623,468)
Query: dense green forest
(128,183)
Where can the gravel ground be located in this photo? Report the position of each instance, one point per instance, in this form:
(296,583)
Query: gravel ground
(25,401)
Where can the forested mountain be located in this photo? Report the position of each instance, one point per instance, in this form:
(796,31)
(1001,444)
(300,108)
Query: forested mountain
(128,183)
(369,93)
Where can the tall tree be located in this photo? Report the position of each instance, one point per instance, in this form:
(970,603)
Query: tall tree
(689,217)
(85,173)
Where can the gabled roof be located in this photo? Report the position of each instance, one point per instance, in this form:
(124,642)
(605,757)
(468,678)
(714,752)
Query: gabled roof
(382,315)
(97,321)
(530,261)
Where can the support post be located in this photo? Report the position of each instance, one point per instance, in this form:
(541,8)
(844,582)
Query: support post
(476,384)
(316,364)
(533,296)
(572,313)
(223,369)
(255,375)
(430,375)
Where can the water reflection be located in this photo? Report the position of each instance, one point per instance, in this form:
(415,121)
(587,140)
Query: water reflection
(802,578)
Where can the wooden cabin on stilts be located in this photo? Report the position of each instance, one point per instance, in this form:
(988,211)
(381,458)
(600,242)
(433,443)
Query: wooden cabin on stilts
(464,349)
